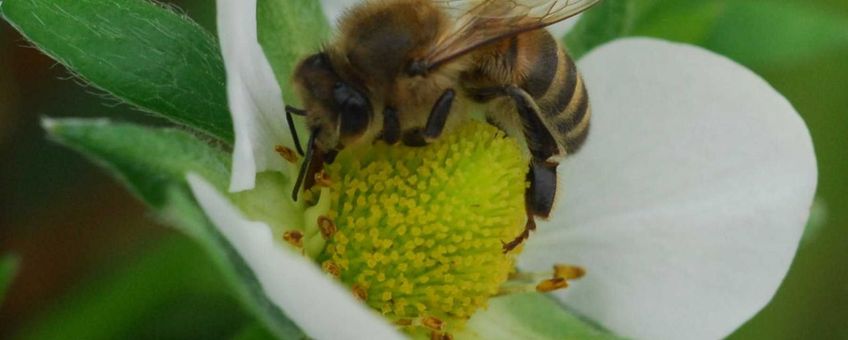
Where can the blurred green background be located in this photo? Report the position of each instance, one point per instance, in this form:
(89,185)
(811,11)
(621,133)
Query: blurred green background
(93,264)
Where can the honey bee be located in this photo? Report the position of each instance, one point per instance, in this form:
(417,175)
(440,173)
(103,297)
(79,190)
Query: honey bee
(406,70)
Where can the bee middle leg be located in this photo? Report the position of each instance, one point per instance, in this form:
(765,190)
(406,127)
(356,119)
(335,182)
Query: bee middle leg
(435,122)
(540,196)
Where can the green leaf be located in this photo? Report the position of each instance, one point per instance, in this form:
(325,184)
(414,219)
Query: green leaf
(143,53)
(815,223)
(758,34)
(687,21)
(253,332)
(605,22)
(153,164)
(288,31)
(762,33)
(8,269)
(530,316)
(600,24)
(149,161)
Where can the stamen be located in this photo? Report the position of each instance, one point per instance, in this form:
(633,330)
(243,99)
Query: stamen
(322,179)
(433,323)
(509,289)
(565,271)
(326,226)
(440,336)
(550,285)
(568,272)
(287,154)
(331,268)
(403,322)
(360,292)
(543,282)
(294,237)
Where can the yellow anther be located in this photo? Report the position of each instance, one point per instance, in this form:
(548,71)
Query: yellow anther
(433,323)
(360,292)
(568,272)
(403,322)
(326,226)
(331,268)
(294,237)
(440,336)
(287,154)
(550,285)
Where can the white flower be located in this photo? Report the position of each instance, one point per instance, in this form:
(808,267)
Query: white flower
(686,205)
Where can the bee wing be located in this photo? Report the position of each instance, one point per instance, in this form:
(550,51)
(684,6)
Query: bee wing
(479,22)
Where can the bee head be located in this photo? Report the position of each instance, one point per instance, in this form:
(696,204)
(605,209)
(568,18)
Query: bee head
(338,110)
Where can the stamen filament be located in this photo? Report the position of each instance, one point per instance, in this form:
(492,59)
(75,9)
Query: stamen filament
(543,282)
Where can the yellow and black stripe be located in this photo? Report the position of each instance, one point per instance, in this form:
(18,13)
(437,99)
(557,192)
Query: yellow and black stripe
(556,86)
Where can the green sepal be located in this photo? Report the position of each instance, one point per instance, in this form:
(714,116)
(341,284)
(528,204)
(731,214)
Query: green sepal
(530,316)
(153,163)
(143,53)
(289,31)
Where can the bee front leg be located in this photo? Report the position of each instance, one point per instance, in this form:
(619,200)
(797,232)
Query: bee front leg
(435,122)
(540,196)
(438,116)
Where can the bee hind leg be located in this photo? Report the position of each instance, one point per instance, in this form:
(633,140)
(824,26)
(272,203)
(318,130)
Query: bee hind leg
(435,122)
(538,198)
(541,194)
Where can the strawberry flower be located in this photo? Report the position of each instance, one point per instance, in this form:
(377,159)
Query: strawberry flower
(685,206)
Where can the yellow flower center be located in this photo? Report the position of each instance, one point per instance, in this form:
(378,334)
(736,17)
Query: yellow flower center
(417,233)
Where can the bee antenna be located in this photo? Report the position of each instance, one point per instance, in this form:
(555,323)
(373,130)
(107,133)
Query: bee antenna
(304,167)
(289,111)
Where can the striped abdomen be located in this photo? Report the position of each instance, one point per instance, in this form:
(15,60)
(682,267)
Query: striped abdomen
(534,62)
(553,81)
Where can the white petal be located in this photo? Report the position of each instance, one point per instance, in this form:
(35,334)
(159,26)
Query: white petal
(321,307)
(689,199)
(255,98)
